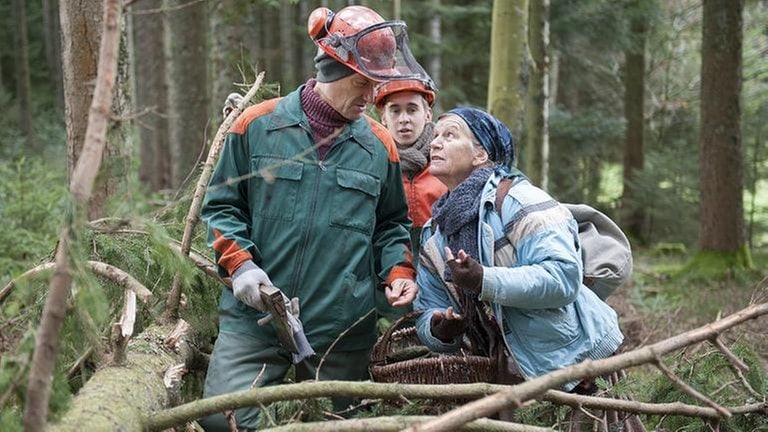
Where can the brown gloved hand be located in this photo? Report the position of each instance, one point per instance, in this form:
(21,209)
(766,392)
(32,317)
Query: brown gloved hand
(447,326)
(466,272)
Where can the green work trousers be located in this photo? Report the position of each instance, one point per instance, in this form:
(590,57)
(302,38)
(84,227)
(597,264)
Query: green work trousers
(239,359)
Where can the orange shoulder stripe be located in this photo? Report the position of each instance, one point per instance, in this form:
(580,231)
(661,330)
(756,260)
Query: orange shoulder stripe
(231,255)
(251,113)
(383,134)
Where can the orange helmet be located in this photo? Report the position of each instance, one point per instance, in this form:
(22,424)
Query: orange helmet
(425,87)
(362,40)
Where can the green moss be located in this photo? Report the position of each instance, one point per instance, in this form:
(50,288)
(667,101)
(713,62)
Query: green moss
(719,264)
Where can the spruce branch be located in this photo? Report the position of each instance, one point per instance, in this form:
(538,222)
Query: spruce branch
(690,391)
(171,312)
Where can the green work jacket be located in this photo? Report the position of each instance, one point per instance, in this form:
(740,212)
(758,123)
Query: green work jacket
(327,232)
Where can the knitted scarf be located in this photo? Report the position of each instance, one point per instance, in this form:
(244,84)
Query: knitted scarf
(323,119)
(415,157)
(456,213)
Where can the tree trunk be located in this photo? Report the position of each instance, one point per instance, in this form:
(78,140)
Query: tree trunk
(81,35)
(81,187)
(151,96)
(21,61)
(634,104)
(720,158)
(537,106)
(52,36)
(288,70)
(187,83)
(119,397)
(435,35)
(509,63)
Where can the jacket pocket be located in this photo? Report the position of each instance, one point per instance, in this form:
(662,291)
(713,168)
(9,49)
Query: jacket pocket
(357,300)
(545,330)
(275,187)
(353,206)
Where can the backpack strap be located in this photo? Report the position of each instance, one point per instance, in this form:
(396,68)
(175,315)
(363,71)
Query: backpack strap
(501,191)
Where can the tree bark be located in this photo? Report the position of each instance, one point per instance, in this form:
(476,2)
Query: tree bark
(288,69)
(52,36)
(81,32)
(21,62)
(151,90)
(187,38)
(720,159)
(81,186)
(634,111)
(436,36)
(508,81)
(537,106)
(118,397)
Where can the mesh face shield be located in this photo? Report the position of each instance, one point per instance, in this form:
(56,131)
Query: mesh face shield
(380,52)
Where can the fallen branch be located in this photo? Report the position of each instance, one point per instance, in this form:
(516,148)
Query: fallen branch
(107,271)
(171,312)
(515,395)
(313,389)
(396,423)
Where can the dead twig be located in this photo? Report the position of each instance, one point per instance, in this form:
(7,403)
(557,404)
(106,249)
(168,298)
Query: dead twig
(171,312)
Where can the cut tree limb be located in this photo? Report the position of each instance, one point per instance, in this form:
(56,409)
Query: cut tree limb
(396,423)
(534,388)
(171,312)
(118,397)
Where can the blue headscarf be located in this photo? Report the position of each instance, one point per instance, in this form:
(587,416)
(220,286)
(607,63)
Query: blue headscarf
(492,134)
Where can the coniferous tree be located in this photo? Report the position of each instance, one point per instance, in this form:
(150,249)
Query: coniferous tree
(537,104)
(21,63)
(508,80)
(720,148)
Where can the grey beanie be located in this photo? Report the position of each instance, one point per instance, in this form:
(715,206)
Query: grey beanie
(328,69)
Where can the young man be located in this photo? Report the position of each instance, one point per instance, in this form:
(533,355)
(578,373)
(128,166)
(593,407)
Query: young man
(307,197)
(405,108)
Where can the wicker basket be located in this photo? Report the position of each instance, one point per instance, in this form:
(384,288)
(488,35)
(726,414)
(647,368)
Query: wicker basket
(429,367)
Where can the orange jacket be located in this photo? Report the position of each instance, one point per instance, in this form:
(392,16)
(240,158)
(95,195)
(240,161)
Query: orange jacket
(422,191)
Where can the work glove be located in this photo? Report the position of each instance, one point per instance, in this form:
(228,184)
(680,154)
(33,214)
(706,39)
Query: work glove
(466,272)
(245,285)
(230,103)
(447,326)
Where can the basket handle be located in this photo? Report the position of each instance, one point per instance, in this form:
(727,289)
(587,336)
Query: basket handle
(379,351)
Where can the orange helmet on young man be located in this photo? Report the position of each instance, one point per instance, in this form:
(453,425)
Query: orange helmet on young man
(424,87)
(362,40)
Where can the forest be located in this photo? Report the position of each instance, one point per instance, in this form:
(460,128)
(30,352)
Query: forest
(652,111)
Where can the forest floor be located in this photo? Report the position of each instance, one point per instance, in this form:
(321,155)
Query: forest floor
(660,303)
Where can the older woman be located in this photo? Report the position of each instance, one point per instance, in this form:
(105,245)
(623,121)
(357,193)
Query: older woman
(504,268)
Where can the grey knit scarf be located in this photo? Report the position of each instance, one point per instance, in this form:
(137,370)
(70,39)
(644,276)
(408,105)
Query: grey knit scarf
(415,157)
(456,213)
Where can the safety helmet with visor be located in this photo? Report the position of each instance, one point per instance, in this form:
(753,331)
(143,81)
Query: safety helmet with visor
(362,40)
(424,87)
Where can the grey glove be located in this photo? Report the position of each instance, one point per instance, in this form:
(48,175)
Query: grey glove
(245,285)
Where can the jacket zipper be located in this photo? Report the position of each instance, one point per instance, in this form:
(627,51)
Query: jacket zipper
(312,209)
(307,226)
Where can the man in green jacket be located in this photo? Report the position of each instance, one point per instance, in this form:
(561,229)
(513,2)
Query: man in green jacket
(307,197)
